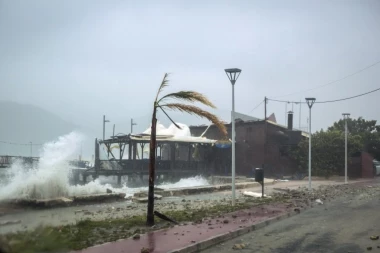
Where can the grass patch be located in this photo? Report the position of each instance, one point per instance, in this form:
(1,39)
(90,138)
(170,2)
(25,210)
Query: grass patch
(87,233)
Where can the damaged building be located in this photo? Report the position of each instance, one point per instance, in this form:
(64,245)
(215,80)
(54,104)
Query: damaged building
(259,143)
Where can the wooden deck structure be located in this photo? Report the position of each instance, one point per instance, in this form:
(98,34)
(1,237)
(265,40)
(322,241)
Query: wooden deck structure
(128,155)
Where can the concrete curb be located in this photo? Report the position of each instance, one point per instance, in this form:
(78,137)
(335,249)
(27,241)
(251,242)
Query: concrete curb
(202,189)
(212,241)
(69,201)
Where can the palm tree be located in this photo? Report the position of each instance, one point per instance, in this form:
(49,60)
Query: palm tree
(188,96)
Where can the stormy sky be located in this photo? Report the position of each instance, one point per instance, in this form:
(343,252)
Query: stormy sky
(83,59)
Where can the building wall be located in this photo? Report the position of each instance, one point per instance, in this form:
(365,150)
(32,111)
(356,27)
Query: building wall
(250,147)
(360,166)
(367,166)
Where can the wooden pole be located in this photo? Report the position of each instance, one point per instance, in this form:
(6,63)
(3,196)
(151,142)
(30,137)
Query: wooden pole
(265,130)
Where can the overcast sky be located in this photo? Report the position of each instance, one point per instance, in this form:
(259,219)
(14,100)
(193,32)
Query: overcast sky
(82,59)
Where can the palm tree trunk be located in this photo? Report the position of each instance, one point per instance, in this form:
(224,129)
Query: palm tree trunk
(152,168)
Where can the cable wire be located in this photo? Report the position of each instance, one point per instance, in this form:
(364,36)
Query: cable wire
(342,99)
(332,82)
(21,144)
(327,101)
(257,106)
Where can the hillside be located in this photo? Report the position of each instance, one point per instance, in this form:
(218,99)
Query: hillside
(20,123)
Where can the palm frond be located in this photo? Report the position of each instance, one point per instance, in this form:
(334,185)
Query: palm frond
(189,96)
(194,110)
(164,83)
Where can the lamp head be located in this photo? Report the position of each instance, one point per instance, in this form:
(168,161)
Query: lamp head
(233,74)
(310,101)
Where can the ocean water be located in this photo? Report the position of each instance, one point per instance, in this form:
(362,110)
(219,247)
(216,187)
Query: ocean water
(50,178)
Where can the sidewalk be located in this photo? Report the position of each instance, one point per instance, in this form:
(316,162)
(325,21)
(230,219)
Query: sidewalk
(190,238)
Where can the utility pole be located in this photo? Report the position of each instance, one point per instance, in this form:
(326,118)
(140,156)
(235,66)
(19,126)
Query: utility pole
(132,124)
(346,116)
(286,113)
(265,108)
(104,126)
(113,132)
(31,149)
(300,116)
(266,130)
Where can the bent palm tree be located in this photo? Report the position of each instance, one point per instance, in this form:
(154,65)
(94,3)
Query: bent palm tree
(188,96)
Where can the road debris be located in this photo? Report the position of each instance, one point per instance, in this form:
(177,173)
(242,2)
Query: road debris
(164,217)
(239,246)
(254,194)
(145,250)
(319,201)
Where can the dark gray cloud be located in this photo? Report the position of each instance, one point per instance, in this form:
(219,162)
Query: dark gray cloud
(83,59)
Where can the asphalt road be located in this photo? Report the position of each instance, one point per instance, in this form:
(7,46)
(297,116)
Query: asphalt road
(344,225)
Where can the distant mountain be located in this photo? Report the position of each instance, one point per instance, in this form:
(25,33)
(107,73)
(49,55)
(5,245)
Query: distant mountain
(21,123)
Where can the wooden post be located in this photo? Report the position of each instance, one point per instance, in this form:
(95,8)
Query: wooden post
(189,154)
(130,150)
(172,156)
(142,150)
(189,157)
(134,150)
(97,160)
(121,151)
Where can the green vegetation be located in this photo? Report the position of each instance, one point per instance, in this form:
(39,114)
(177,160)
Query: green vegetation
(367,130)
(87,233)
(328,146)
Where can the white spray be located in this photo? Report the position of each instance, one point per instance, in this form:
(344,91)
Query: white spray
(50,179)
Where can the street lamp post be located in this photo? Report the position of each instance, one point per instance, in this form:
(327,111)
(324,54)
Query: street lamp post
(233,74)
(104,126)
(345,116)
(310,102)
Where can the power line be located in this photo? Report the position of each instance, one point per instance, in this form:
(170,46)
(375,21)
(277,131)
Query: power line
(328,101)
(342,99)
(21,144)
(284,101)
(332,82)
(257,106)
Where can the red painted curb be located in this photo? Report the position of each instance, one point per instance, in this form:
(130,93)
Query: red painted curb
(209,242)
(191,238)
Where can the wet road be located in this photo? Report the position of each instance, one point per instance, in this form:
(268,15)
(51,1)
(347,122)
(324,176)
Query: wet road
(343,225)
